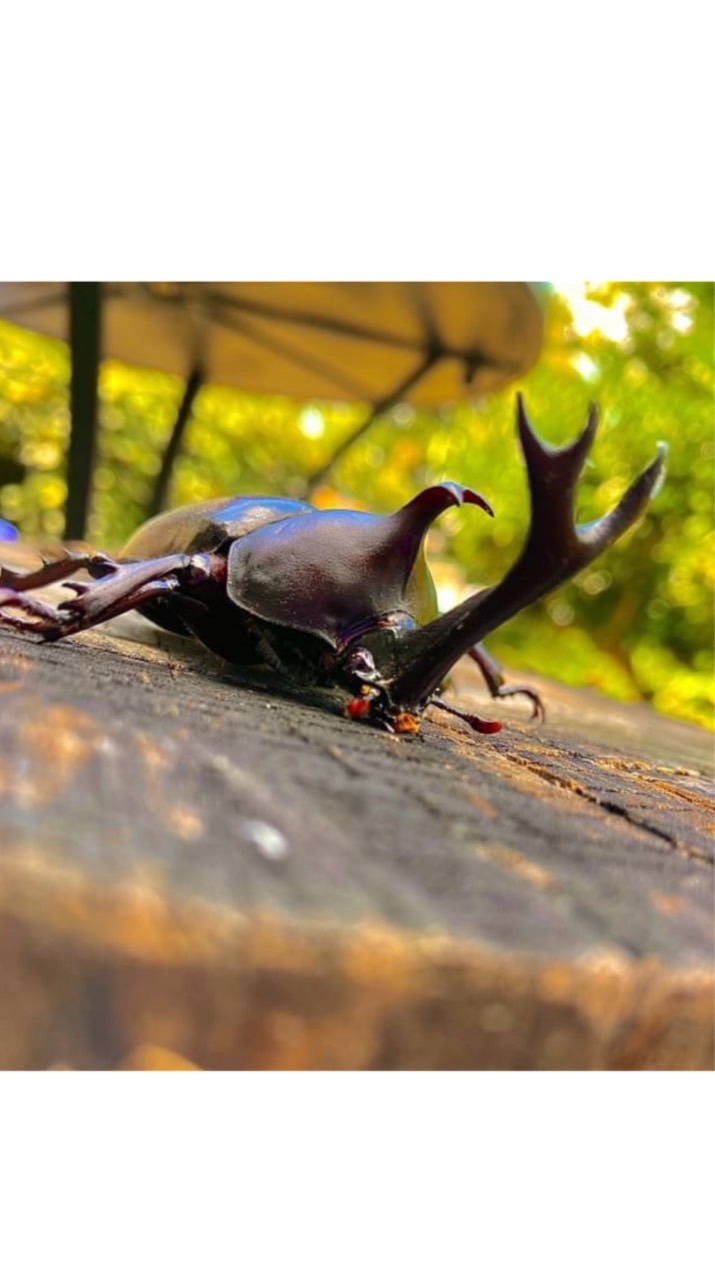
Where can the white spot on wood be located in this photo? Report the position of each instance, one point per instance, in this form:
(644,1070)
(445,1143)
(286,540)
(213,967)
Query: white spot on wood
(270,842)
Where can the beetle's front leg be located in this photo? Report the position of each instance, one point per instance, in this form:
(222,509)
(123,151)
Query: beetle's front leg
(48,622)
(124,587)
(54,570)
(494,679)
(72,615)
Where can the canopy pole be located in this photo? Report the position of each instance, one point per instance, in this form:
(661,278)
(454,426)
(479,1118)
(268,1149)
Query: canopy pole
(85,314)
(391,399)
(194,382)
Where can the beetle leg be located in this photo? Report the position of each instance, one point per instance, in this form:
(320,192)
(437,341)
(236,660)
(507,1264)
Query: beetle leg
(48,619)
(494,679)
(477,724)
(53,570)
(128,586)
(72,615)
(82,616)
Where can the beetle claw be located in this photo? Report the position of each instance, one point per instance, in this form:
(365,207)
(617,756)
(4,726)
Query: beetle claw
(538,710)
(47,622)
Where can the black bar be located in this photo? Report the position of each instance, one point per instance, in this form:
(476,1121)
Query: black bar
(161,488)
(85,305)
(391,399)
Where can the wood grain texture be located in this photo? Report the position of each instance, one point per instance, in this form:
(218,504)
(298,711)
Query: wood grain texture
(239,877)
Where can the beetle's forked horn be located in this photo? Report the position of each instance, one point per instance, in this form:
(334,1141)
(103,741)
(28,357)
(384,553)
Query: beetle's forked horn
(556,548)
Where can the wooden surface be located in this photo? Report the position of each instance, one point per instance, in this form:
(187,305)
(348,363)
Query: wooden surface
(196,872)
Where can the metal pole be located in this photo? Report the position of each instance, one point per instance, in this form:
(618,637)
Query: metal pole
(392,398)
(161,488)
(85,305)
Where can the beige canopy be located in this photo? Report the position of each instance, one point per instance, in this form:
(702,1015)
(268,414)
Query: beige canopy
(348,341)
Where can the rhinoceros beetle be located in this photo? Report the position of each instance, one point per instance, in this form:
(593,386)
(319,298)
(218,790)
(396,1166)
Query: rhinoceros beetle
(335,597)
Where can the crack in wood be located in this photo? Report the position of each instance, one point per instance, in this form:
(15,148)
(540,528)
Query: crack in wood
(573,786)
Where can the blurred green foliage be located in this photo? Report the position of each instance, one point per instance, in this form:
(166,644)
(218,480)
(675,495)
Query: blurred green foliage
(637,624)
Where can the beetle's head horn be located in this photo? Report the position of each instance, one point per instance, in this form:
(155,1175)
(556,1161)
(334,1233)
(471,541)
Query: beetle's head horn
(556,548)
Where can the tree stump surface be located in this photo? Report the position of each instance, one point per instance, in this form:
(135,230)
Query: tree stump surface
(195,871)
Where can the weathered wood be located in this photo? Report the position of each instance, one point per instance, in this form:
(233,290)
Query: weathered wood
(196,871)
